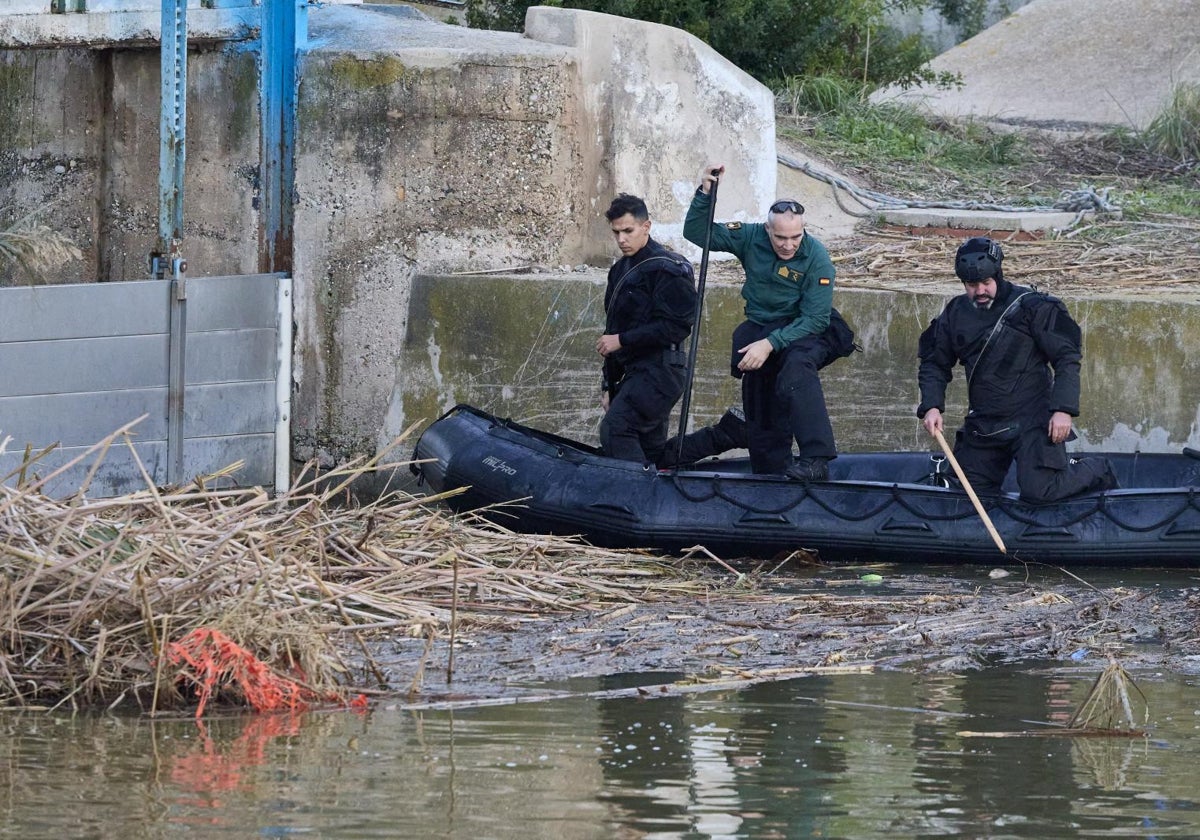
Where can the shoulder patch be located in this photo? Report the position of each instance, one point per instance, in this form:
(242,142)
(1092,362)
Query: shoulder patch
(824,281)
(733,225)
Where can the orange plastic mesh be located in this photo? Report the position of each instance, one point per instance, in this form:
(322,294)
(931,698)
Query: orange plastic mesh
(211,662)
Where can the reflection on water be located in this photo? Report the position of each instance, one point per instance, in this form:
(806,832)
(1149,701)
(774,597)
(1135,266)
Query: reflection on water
(848,756)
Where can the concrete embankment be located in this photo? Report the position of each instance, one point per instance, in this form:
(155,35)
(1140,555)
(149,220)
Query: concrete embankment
(1063,64)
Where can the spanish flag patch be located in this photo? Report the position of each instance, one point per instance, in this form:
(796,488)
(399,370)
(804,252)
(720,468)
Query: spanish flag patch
(824,281)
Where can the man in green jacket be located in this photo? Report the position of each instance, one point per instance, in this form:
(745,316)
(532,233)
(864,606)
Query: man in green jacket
(790,332)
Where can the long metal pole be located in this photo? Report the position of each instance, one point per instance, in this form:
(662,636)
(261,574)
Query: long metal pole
(686,404)
(172,135)
(167,261)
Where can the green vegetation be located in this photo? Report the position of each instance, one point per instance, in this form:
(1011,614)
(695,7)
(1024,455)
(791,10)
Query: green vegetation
(1175,133)
(774,39)
(364,74)
(898,150)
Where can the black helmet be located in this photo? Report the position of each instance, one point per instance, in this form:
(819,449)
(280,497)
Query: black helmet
(978,259)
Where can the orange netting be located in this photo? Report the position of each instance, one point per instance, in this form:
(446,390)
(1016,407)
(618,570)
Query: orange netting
(211,661)
(207,769)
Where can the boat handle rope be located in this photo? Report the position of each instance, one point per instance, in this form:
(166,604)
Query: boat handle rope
(1006,507)
(808,492)
(1102,506)
(718,493)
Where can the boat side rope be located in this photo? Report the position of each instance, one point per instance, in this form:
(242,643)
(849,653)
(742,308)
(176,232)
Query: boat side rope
(1009,508)
(717,492)
(811,492)
(1101,506)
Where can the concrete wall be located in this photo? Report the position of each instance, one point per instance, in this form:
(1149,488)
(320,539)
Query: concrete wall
(427,148)
(79,143)
(658,105)
(541,368)
(123,23)
(422,148)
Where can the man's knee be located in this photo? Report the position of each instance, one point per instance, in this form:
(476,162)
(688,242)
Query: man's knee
(799,369)
(985,476)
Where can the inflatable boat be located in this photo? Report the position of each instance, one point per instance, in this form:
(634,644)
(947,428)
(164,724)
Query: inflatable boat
(875,507)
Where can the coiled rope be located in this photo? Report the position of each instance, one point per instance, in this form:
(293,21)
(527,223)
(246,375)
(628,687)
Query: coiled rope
(1079,201)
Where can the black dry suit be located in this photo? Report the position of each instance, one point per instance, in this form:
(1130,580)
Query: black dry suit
(649,304)
(1008,352)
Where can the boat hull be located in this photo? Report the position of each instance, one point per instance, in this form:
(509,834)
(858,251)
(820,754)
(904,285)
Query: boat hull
(887,506)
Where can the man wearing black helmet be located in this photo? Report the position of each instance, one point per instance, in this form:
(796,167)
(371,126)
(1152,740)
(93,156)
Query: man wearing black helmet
(1008,338)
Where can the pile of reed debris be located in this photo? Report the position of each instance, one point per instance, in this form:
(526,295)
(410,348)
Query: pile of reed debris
(169,599)
(1155,257)
(1160,257)
(93,591)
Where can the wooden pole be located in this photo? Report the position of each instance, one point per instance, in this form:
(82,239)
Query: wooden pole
(970,491)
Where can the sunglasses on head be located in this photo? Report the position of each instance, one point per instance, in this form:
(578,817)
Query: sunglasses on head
(788,206)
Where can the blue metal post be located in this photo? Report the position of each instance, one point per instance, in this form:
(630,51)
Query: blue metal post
(284,29)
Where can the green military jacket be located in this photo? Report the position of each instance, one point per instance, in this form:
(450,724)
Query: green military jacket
(799,290)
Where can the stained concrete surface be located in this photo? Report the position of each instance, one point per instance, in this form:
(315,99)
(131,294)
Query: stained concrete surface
(1070,64)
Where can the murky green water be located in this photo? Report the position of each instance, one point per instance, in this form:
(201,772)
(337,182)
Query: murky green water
(849,756)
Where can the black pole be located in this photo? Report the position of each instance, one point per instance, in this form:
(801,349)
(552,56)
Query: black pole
(685,406)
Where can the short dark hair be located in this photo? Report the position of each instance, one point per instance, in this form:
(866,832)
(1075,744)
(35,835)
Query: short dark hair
(625,203)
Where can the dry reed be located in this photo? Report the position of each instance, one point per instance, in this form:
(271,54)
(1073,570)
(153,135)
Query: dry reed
(92,590)
(1156,257)
(35,247)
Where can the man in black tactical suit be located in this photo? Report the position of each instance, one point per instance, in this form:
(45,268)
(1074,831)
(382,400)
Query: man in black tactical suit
(649,306)
(1008,338)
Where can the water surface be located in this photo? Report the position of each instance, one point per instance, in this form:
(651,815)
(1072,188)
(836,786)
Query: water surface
(851,756)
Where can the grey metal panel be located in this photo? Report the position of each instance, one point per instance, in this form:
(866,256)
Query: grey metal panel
(81,360)
(83,310)
(81,419)
(107,364)
(230,356)
(134,307)
(82,364)
(121,474)
(231,303)
(230,408)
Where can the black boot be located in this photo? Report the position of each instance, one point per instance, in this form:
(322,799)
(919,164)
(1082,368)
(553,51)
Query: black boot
(809,469)
(728,433)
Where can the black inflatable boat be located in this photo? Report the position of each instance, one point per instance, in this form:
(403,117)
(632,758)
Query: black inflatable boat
(880,506)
